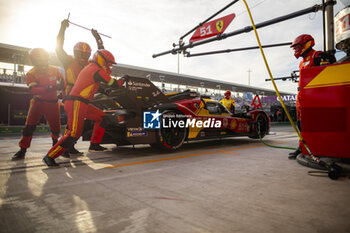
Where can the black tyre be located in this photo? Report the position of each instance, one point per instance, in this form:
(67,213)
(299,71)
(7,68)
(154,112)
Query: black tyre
(261,126)
(171,138)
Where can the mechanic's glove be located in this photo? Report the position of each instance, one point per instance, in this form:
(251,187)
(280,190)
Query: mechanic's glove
(121,81)
(118,83)
(95,33)
(60,85)
(107,91)
(60,96)
(97,38)
(65,23)
(324,58)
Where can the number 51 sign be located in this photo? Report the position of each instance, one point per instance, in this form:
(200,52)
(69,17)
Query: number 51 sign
(212,28)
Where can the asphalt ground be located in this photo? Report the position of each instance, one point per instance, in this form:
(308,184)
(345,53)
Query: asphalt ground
(228,185)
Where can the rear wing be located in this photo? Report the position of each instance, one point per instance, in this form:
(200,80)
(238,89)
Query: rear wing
(139,93)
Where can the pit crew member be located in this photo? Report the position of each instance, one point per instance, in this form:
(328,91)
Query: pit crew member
(78,108)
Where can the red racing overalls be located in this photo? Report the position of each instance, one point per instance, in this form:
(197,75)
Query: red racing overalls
(307,62)
(71,66)
(78,108)
(44,102)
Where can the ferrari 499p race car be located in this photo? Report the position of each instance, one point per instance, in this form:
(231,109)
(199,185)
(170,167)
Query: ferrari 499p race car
(140,113)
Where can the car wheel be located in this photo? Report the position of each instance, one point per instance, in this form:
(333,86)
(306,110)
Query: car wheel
(171,138)
(261,126)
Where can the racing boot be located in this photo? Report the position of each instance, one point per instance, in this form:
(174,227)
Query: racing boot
(50,162)
(294,154)
(20,154)
(72,150)
(96,147)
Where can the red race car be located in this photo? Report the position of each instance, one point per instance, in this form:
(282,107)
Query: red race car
(140,113)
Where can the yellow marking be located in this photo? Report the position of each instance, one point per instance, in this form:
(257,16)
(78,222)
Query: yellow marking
(307,45)
(54,152)
(190,155)
(100,60)
(75,118)
(173,93)
(70,76)
(208,100)
(337,75)
(225,152)
(65,131)
(85,93)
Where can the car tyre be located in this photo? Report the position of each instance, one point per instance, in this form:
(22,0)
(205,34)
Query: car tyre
(263,122)
(170,138)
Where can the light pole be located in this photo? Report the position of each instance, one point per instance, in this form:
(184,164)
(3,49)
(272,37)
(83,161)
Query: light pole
(219,89)
(178,63)
(162,79)
(202,86)
(249,71)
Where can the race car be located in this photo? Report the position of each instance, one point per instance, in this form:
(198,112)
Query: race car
(140,113)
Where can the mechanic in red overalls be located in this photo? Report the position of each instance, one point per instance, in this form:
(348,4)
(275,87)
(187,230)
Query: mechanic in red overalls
(302,46)
(78,108)
(228,102)
(73,65)
(43,82)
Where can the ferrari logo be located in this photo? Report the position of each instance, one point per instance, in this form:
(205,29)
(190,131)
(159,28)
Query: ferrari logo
(219,25)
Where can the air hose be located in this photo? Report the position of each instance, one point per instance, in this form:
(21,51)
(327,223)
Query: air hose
(266,144)
(331,168)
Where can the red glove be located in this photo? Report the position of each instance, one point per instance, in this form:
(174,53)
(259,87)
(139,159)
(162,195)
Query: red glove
(121,81)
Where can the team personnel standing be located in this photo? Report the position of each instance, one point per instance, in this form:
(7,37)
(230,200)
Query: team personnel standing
(73,65)
(43,82)
(228,102)
(302,46)
(77,104)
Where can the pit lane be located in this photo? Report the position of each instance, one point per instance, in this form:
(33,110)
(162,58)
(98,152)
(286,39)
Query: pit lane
(228,185)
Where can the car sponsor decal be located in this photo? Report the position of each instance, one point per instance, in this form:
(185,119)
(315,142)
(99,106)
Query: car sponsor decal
(137,134)
(233,124)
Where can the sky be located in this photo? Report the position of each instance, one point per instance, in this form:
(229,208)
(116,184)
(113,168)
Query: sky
(140,28)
